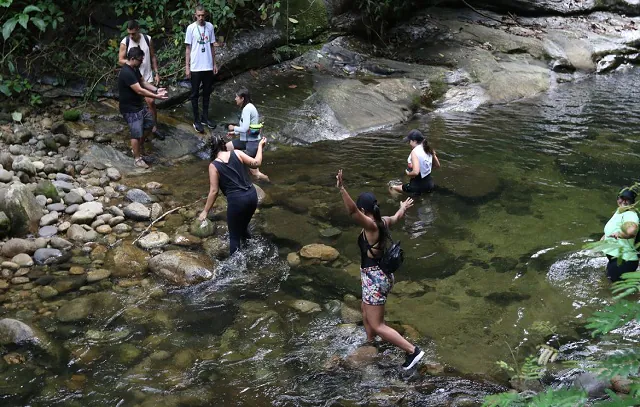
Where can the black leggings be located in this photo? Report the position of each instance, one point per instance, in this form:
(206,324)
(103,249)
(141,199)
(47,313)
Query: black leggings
(240,208)
(614,271)
(206,79)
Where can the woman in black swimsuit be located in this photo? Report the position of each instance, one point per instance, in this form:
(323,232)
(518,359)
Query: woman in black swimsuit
(376,284)
(227,172)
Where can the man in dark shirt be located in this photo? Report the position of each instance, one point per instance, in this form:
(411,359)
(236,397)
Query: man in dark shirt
(133,89)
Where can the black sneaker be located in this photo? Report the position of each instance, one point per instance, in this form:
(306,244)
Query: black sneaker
(209,123)
(413,359)
(198,127)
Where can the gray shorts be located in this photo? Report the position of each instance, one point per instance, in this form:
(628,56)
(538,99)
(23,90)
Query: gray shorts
(250,147)
(139,122)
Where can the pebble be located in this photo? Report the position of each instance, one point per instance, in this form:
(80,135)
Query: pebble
(113,174)
(64,226)
(58,207)
(19,280)
(103,229)
(121,228)
(76,270)
(97,275)
(71,209)
(9,265)
(4,285)
(46,292)
(48,231)
(22,260)
(49,219)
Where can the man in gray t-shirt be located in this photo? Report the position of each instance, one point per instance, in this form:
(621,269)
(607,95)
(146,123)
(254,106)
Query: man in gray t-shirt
(200,66)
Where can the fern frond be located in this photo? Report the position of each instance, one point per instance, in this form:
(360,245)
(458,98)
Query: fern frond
(547,354)
(559,398)
(625,363)
(530,369)
(629,284)
(617,401)
(543,327)
(612,317)
(504,400)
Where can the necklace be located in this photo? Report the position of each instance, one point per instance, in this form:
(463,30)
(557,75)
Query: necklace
(201,40)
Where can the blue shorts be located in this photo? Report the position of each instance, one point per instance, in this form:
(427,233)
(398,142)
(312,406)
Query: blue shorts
(139,122)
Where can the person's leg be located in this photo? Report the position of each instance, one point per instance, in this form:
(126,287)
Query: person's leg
(151,105)
(375,318)
(250,206)
(615,270)
(196,80)
(371,335)
(207,87)
(147,126)
(136,127)
(234,223)
(252,151)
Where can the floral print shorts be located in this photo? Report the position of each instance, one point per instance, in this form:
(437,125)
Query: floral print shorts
(376,285)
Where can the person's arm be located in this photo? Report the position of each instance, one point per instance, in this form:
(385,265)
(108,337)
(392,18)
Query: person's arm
(213,192)
(122,54)
(213,50)
(187,57)
(154,63)
(404,205)
(357,215)
(415,166)
(436,162)
(628,230)
(147,90)
(250,161)
(245,122)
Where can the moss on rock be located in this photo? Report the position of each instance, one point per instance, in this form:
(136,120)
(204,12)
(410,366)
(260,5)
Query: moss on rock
(311,16)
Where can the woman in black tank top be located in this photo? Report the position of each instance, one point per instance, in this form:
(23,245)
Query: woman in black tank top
(227,172)
(376,284)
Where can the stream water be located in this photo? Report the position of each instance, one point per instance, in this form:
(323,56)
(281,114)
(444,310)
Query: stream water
(493,253)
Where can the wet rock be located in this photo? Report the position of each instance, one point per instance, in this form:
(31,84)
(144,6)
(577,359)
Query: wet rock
(87,212)
(621,384)
(138,195)
(137,211)
(65,284)
(126,260)
(121,228)
(350,315)
(57,207)
(592,384)
(10,265)
(97,275)
(153,240)
(75,310)
(362,356)
(47,292)
(49,219)
(156,211)
(103,229)
(216,247)
(607,63)
(20,206)
(182,268)
(5,225)
(60,243)
(20,280)
(116,220)
(16,332)
(50,256)
(319,251)
(288,228)
(304,306)
(23,164)
(22,260)
(17,246)
(203,228)
(293,259)
(330,232)
(127,353)
(101,306)
(185,239)
(46,188)
(6,176)
(79,234)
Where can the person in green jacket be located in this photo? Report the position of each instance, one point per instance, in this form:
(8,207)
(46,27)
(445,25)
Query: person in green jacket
(621,230)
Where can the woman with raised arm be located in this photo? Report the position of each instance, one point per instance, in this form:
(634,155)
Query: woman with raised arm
(376,284)
(227,172)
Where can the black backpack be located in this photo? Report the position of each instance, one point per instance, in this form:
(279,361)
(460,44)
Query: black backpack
(392,257)
(146,39)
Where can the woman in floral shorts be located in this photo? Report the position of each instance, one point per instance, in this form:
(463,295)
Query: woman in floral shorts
(376,284)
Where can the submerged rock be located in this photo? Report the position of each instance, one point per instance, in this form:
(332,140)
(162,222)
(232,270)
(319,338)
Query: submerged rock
(153,240)
(304,306)
(182,268)
(127,260)
(319,251)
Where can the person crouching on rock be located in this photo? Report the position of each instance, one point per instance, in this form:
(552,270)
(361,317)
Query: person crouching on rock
(421,161)
(249,129)
(227,172)
(621,230)
(376,284)
(132,89)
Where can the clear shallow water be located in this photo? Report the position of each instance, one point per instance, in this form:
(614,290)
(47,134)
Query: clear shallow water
(493,251)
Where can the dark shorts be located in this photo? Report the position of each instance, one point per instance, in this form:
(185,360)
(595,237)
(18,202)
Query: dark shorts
(418,185)
(139,122)
(615,270)
(249,147)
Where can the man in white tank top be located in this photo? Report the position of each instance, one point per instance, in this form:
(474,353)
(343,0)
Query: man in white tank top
(149,66)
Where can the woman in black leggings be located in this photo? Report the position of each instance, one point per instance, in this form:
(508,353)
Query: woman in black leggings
(227,172)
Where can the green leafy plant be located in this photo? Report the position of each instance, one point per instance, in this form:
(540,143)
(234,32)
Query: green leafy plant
(72,115)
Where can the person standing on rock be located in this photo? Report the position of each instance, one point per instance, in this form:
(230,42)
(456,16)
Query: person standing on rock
(201,66)
(249,130)
(149,67)
(421,161)
(132,89)
(227,172)
(376,284)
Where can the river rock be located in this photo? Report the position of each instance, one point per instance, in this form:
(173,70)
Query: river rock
(14,332)
(50,256)
(6,176)
(86,134)
(68,283)
(113,174)
(186,240)
(97,275)
(592,384)
(203,228)
(115,211)
(20,206)
(330,232)
(5,225)
(621,384)
(116,220)
(156,211)
(23,164)
(126,260)
(22,260)
(216,247)
(19,280)
(49,219)
(138,195)
(319,251)
(293,259)
(121,228)
(46,188)
(350,315)
(153,240)
(46,292)
(17,246)
(103,229)
(75,310)
(79,234)
(87,212)
(60,243)
(58,207)
(6,160)
(362,356)
(137,211)
(41,200)
(182,268)
(71,209)
(64,226)
(304,306)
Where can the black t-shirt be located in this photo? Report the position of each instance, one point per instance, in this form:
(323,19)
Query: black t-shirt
(130,101)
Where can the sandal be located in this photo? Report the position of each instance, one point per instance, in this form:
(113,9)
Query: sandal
(139,162)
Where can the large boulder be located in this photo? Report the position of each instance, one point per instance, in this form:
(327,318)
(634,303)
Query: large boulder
(126,260)
(182,268)
(20,206)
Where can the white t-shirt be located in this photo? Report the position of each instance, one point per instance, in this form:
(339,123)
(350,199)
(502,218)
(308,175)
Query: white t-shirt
(145,68)
(425,159)
(200,38)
